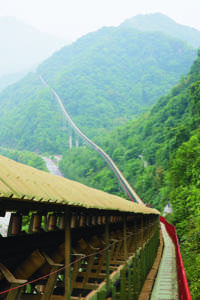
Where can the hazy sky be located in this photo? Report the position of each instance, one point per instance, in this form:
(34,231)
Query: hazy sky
(73,18)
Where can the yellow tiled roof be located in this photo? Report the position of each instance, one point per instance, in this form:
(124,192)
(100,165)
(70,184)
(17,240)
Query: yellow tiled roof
(18,181)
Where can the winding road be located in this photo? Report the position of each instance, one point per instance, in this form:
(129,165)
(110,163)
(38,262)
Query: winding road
(51,166)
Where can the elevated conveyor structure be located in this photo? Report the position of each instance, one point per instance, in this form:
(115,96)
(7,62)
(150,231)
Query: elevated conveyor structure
(124,183)
(66,240)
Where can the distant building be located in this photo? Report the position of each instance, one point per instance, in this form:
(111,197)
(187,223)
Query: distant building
(167,209)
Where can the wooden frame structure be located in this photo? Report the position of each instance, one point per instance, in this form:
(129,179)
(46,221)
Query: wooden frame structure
(88,241)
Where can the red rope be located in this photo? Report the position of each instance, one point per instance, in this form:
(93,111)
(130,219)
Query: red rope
(45,276)
(42,277)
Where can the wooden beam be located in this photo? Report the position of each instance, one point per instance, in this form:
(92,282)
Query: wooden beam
(125,238)
(15,293)
(67,253)
(51,282)
(21,205)
(107,254)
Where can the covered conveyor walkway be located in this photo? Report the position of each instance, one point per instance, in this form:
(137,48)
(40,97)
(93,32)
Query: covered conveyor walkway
(68,241)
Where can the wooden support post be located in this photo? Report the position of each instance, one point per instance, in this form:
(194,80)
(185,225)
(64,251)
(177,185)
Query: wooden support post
(136,234)
(123,284)
(151,249)
(139,270)
(52,222)
(13,294)
(74,274)
(142,266)
(135,281)
(107,254)
(129,284)
(143,250)
(89,269)
(67,253)
(15,224)
(37,219)
(148,226)
(113,292)
(125,239)
(148,243)
(145,229)
(142,230)
(101,295)
(61,222)
(51,283)
(145,260)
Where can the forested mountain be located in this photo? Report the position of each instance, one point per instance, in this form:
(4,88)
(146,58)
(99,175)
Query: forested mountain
(9,79)
(159,154)
(115,73)
(104,79)
(23,47)
(162,23)
(30,118)
(150,141)
(25,157)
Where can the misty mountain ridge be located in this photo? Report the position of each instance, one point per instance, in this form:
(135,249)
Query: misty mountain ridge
(104,79)
(162,23)
(24,47)
(9,79)
(114,74)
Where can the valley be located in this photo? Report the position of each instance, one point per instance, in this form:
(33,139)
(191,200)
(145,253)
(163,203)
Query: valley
(136,93)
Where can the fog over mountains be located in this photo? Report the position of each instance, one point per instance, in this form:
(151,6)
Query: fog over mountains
(164,24)
(24,47)
(104,79)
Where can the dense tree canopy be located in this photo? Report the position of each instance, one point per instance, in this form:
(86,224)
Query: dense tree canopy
(104,79)
(25,157)
(159,154)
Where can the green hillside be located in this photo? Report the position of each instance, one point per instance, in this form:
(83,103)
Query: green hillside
(111,75)
(25,157)
(9,79)
(108,80)
(159,155)
(104,79)
(30,118)
(143,147)
(162,23)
